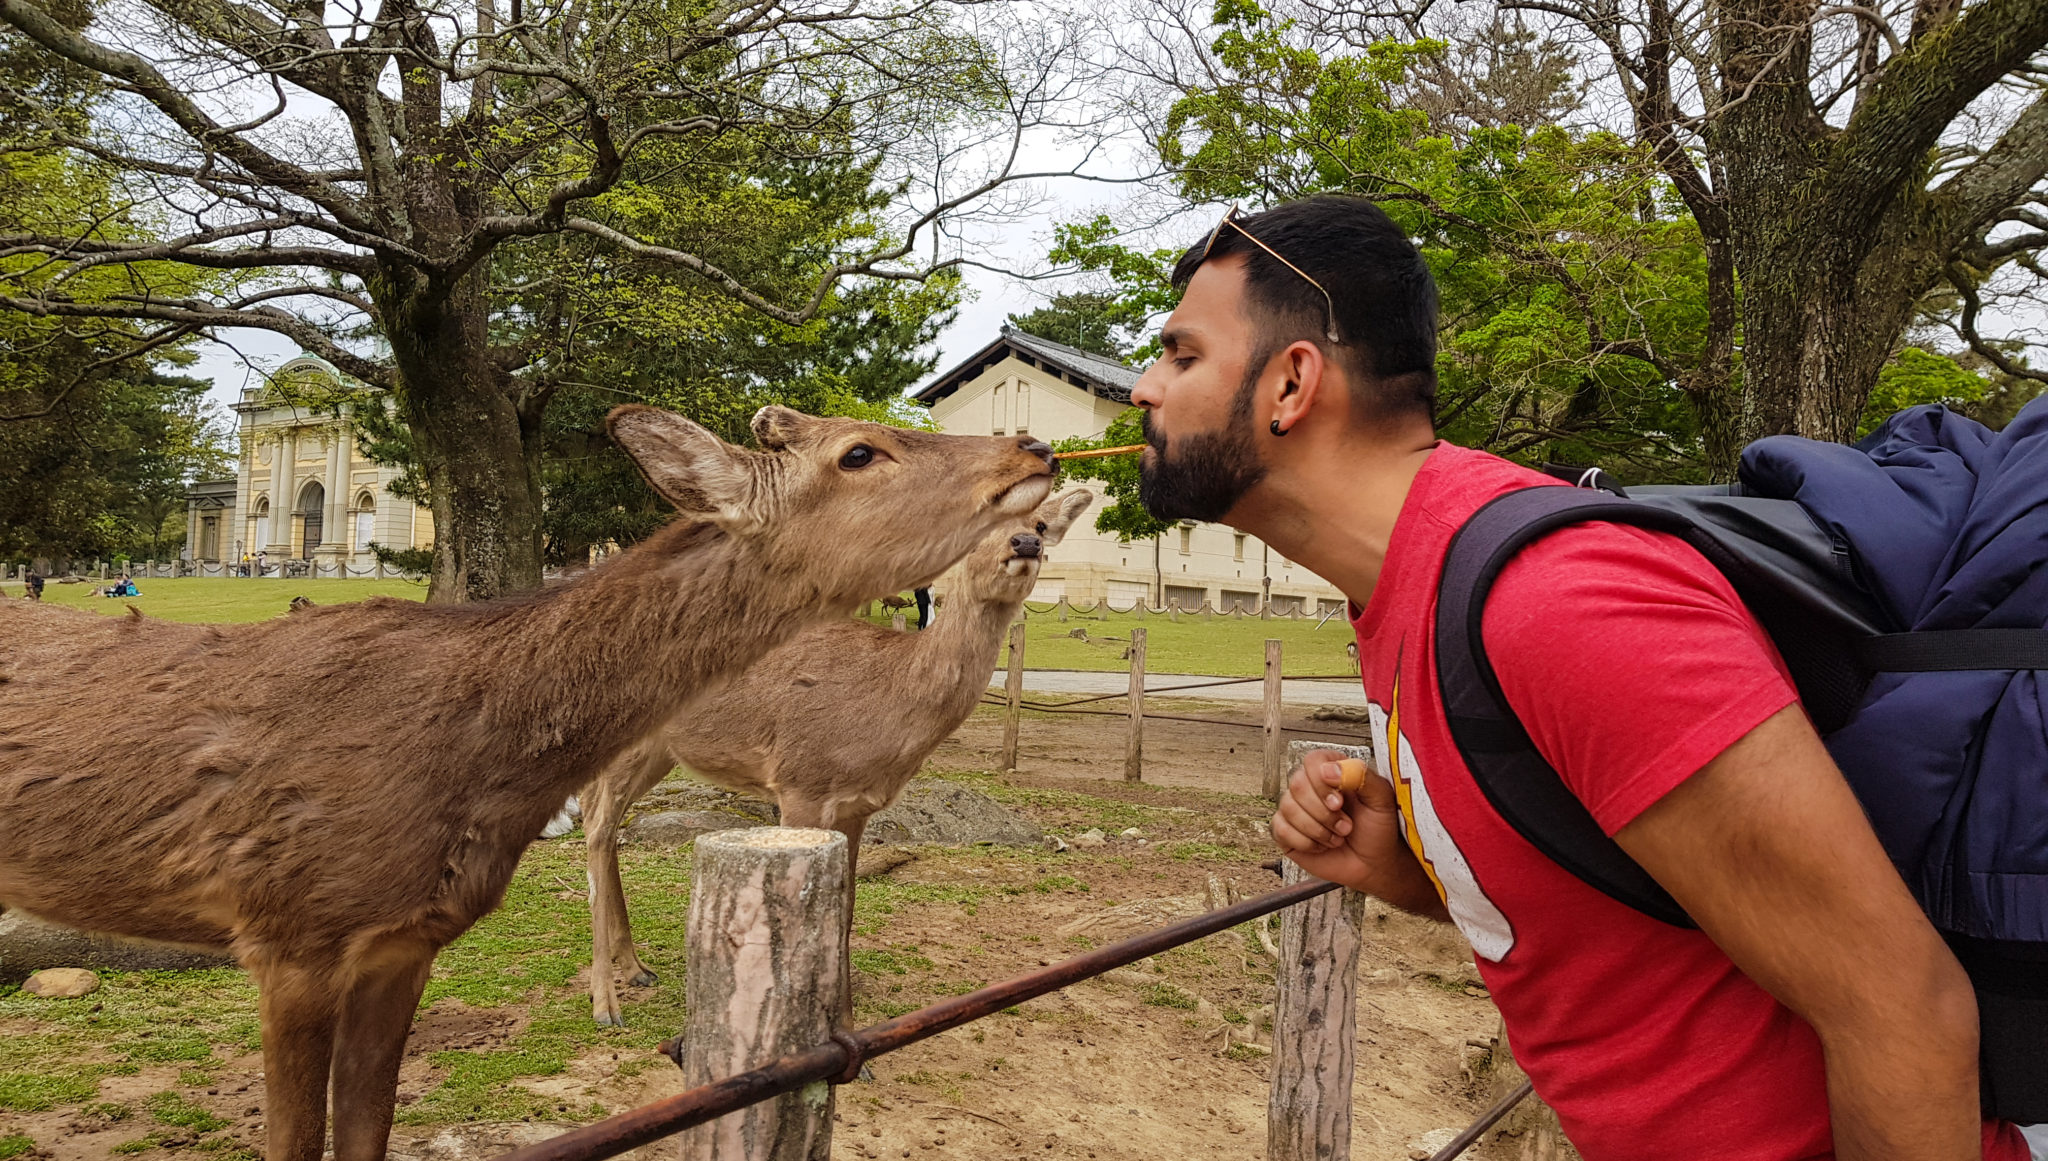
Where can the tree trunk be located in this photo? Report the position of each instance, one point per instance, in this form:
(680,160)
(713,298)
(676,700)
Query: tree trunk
(481,468)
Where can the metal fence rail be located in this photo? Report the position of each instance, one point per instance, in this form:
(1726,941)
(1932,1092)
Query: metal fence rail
(839,1060)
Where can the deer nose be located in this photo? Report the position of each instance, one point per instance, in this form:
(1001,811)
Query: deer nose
(1024,544)
(1037,447)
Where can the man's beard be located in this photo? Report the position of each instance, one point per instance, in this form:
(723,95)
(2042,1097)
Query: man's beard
(1209,472)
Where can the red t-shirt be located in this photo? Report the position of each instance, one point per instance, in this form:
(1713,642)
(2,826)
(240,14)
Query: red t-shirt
(1632,664)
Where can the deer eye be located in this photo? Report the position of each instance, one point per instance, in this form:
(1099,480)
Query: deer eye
(1041,528)
(857,457)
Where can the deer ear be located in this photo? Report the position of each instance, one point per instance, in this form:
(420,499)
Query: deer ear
(777,427)
(698,472)
(1060,512)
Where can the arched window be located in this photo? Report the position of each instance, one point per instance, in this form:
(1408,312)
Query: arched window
(365,511)
(262,537)
(312,504)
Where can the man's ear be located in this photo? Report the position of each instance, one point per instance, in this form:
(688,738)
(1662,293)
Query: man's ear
(776,427)
(1303,365)
(1060,512)
(701,474)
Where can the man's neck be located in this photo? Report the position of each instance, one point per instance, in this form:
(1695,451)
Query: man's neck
(1331,508)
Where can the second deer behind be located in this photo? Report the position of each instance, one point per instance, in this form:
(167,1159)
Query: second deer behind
(831,726)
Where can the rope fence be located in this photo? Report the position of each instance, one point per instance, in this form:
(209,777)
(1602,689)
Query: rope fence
(226,570)
(1013,702)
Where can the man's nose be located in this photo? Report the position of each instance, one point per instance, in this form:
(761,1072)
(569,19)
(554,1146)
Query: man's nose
(1146,392)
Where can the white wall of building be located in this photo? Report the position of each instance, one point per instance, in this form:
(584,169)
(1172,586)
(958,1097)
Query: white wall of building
(1012,397)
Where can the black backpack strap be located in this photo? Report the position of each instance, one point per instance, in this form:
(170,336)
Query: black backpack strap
(1522,787)
(1948,650)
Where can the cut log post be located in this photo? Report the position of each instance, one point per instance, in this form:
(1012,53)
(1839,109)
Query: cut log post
(897,622)
(1061,609)
(1134,748)
(1013,696)
(1315,1020)
(1276,753)
(766,977)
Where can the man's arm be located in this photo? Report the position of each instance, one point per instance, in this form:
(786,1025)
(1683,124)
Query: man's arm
(1767,849)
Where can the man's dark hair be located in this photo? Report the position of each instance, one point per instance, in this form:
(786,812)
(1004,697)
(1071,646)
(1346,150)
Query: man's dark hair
(1381,291)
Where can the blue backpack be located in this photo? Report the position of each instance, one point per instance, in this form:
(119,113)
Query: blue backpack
(1902,580)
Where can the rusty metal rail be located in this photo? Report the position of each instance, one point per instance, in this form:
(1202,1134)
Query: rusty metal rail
(839,1060)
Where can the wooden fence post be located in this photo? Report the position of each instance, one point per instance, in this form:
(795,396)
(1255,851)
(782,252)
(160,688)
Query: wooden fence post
(761,982)
(1134,748)
(897,622)
(1315,1021)
(1013,694)
(1276,753)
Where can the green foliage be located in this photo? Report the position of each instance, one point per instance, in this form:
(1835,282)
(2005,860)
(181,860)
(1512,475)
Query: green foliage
(95,450)
(1572,280)
(15,1145)
(1123,515)
(1915,376)
(1099,321)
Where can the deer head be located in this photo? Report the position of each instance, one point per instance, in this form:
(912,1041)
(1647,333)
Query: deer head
(1004,566)
(851,509)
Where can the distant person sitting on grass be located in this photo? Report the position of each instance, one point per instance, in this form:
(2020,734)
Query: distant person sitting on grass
(35,586)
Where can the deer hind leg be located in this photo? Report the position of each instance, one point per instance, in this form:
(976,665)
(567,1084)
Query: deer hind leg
(298,1005)
(852,829)
(611,930)
(376,1016)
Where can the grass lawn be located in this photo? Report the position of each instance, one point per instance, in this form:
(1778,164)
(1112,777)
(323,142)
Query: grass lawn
(1222,646)
(217,599)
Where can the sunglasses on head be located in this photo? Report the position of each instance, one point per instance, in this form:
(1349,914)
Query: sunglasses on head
(1230,219)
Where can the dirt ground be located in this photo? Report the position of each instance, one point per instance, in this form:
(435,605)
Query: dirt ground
(1164,1060)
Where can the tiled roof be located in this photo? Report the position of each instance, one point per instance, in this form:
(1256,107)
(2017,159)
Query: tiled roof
(1091,372)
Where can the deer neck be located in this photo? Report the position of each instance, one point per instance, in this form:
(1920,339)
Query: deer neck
(961,646)
(585,672)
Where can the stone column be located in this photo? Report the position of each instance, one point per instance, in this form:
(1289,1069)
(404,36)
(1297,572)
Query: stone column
(281,498)
(333,543)
(191,531)
(239,534)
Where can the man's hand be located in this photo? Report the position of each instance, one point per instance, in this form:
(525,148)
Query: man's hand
(1769,852)
(1354,839)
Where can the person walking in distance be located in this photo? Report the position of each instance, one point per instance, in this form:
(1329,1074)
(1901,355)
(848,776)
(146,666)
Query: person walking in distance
(1814,1012)
(924,605)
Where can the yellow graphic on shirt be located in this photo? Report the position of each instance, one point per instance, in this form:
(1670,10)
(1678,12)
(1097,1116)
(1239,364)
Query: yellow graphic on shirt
(1482,923)
(1404,793)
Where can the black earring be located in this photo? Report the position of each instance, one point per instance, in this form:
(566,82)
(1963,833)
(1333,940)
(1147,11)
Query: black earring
(1275,429)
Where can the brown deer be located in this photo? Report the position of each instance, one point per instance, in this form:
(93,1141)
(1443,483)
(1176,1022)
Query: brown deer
(336,794)
(831,725)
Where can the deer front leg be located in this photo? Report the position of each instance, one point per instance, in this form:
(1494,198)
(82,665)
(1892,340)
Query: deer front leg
(607,910)
(297,1004)
(376,1016)
(606,800)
